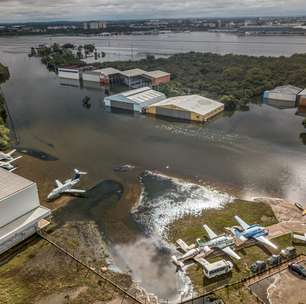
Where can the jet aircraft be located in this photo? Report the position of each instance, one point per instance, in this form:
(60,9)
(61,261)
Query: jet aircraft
(67,186)
(7,165)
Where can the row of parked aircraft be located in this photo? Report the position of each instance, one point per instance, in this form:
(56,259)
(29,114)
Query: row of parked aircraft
(7,159)
(223,242)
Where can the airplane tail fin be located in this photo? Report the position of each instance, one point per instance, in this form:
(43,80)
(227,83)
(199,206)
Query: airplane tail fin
(77,174)
(180,265)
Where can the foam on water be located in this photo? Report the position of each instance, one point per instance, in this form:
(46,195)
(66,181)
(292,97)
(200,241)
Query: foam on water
(156,209)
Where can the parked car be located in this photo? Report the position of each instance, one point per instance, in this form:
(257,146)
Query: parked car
(274,260)
(288,253)
(258,266)
(298,269)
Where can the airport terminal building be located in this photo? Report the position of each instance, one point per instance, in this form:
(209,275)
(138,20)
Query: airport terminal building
(21,214)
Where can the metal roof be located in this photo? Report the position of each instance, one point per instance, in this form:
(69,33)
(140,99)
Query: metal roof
(286,89)
(133,73)
(11,183)
(108,71)
(192,103)
(21,223)
(156,74)
(138,96)
(303,92)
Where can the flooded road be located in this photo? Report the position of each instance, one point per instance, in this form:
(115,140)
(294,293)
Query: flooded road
(257,152)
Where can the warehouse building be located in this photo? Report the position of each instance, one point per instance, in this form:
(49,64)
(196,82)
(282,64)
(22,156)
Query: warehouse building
(157,77)
(282,97)
(135,100)
(134,78)
(69,73)
(190,107)
(21,214)
(301,103)
(105,76)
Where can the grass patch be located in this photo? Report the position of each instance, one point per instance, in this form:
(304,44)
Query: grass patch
(190,228)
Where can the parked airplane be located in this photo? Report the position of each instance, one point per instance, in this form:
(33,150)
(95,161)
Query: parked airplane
(7,165)
(191,252)
(7,156)
(66,187)
(251,232)
(300,237)
(223,242)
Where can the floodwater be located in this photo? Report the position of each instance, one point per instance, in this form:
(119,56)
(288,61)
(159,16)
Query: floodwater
(257,152)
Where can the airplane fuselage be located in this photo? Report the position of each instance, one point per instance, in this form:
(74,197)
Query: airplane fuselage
(220,242)
(6,166)
(254,232)
(66,186)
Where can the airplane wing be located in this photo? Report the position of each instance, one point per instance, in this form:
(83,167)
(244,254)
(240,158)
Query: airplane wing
(58,183)
(74,191)
(210,233)
(300,237)
(265,241)
(201,261)
(229,251)
(12,152)
(242,223)
(12,160)
(184,246)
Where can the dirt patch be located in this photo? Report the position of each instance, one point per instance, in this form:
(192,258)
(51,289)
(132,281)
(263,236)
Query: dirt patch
(288,289)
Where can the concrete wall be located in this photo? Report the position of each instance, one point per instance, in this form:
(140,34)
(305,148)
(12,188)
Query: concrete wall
(18,204)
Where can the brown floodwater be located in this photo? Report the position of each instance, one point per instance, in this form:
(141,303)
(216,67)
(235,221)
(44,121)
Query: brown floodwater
(257,152)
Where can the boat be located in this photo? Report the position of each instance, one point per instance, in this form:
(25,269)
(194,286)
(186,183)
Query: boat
(300,206)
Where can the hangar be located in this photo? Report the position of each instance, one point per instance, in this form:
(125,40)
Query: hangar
(189,107)
(21,214)
(135,100)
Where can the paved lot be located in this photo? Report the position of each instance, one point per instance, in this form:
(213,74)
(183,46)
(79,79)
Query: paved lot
(282,288)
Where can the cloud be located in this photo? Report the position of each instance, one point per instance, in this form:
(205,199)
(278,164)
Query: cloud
(34,10)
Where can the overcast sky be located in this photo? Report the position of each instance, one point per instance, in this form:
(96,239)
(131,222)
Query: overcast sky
(39,10)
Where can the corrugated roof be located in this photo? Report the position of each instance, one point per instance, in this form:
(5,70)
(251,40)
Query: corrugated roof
(303,92)
(191,103)
(286,89)
(11,183)
(138,96)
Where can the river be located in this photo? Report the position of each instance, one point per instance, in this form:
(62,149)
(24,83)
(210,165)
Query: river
(257,152)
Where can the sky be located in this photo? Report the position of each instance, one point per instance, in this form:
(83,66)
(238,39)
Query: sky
(48,10)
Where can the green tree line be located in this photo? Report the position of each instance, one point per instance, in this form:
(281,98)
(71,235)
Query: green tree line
(231,79)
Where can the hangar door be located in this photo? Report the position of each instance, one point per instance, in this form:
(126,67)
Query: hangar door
(173,113)
(122,105)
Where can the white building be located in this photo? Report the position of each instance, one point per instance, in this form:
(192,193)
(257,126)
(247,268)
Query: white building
(69,73)
(20,211)
(134,100)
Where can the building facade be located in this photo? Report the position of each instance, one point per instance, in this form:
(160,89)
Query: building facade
(20,211)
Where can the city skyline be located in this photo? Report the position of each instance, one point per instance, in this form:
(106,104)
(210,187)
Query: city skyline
(73,10)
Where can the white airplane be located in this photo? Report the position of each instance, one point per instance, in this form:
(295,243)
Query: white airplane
(300,237)
(190,252)
(66,187)
(7,165)
(251,232)
(223,242)
(7,156)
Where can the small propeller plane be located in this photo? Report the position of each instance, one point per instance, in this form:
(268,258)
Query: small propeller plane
(7,165)
(190,252)
(223,242)
(66,187)
(7,156)
(251,232)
